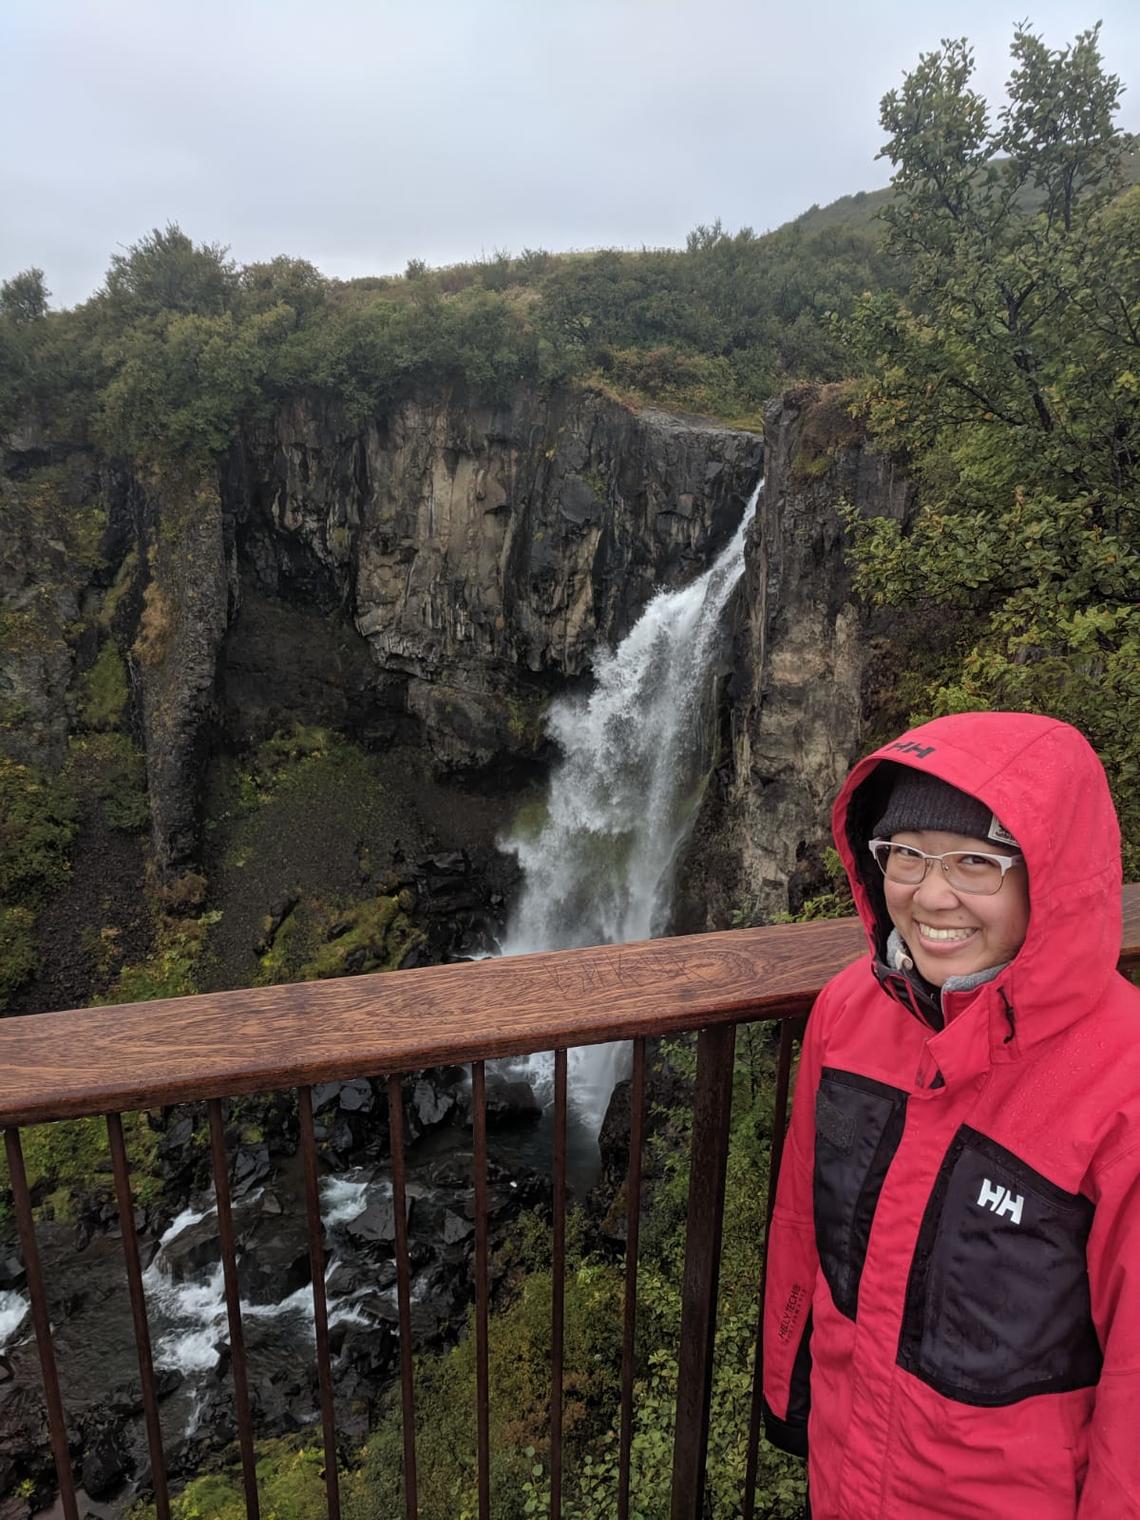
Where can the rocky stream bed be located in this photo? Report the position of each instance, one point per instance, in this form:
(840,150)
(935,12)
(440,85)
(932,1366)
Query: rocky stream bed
(83,1268)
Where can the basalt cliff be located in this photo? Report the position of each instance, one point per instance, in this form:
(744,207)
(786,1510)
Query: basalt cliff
(431,576)
(434,576)
(810,674)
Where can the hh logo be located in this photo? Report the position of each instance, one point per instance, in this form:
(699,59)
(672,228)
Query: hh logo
(999,1200)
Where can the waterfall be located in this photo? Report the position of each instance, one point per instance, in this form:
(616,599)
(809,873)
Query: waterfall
(598,867)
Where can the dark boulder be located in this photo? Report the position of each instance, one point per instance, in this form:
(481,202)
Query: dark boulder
(432,1102)
(377,1224)
(456,1228)
(250,1166)
(12,1274)
(106,1463)
(511,1101)
(356,1096)
(271,1269)
(192,1249)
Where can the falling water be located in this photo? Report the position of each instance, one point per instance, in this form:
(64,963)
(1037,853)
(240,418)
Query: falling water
(599,868)
(13,1312)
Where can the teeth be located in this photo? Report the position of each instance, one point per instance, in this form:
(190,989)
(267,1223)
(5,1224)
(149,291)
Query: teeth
(929,933)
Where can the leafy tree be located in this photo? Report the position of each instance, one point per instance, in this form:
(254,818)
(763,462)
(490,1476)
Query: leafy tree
(283,281)
(24,297)
(166,272)
(184,383)
(1008,378)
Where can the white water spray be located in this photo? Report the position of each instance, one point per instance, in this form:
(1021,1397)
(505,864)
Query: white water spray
(13,1311)
(600,868)
(192,1312)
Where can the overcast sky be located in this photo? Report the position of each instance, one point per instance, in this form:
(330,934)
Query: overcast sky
(362,133)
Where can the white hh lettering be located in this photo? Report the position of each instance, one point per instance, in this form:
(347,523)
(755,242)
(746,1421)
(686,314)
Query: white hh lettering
(1011,1206)
(990,1197)
(1000,1201)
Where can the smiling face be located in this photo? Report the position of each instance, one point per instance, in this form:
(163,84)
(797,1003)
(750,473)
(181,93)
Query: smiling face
(951,933)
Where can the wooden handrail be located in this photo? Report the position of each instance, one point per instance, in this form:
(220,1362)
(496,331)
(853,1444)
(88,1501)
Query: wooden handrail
(176,1050)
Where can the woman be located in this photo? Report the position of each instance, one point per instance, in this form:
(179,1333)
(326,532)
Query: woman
(952,1324)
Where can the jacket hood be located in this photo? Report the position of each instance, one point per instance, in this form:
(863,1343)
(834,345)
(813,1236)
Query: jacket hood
(1045,783)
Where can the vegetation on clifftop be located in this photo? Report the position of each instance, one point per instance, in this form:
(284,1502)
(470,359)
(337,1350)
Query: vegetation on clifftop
(182,348)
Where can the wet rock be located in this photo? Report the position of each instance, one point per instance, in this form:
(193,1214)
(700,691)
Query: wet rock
(272,1269)
(511,1101)
(106,1463)
(356,1096)
(431,1103)
(127,1398)
(347,1279)
(192,1249)
(250,1166)
(25,1451)
(325,1094)
(182,1155)
(177,1135)
(368,1350)
(12,1274)
(377,1224)
(456,1228)
(448,863)
(454,1171)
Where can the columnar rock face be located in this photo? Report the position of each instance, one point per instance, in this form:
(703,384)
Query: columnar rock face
(188,595)
(484,554)
(436,574)
(806,658)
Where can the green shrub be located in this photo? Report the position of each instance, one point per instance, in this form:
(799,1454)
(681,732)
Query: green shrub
(104,690)
(65,1161)
(519,1403)
(290,1485)
(17,949)
(37,823)
(109,770)
(171,968)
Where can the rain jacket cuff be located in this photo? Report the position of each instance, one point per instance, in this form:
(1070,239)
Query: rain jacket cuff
(788,1435)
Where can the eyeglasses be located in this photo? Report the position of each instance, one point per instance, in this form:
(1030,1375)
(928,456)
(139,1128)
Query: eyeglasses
(965,870)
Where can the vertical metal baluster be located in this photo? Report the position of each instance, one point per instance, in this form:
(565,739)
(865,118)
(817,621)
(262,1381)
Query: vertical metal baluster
(233,1306)
(126,1205)
(320,1307)
(632,1230)
(26,1224)
(404,1294)
(558,1294)
(779,1124)
(482,1287)
(633,1215)
(712,1106)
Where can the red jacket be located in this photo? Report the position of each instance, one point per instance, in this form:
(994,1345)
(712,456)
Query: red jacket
(952,1323)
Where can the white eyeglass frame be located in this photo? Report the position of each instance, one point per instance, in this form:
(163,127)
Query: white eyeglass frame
(1006,862)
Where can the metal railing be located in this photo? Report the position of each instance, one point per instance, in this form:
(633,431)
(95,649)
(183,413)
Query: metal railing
(111,1060)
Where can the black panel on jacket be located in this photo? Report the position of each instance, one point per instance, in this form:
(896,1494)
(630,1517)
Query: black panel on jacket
(997,1303)
(789,1437)
(799,1389)
(858,1126)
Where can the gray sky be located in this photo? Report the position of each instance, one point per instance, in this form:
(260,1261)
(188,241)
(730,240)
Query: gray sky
(362,133)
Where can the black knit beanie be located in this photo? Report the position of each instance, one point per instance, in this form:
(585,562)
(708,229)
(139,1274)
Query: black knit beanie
(919,801)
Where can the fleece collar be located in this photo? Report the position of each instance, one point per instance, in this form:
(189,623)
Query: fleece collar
(899,959)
